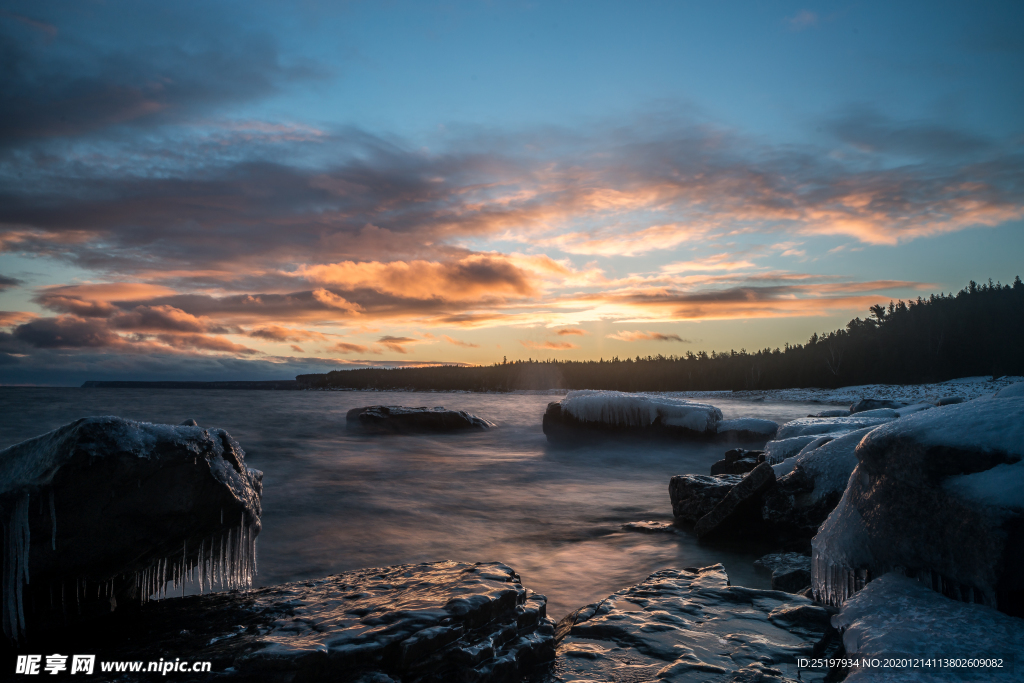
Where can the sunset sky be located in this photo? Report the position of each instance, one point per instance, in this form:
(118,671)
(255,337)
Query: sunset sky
(253,190)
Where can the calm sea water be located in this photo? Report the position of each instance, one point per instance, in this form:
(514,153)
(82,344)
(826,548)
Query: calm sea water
(335,501)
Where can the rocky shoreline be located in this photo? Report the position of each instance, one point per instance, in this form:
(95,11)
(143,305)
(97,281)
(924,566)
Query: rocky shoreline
(868,507)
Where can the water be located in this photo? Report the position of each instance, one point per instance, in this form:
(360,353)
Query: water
(335,501)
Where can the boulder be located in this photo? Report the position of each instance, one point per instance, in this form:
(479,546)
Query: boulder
(790,572)
(436,622)
(739,512)
(106,511)
(806,426)
(874,404)
(746,429)
(939,494)
(695,495)
(687,625)
(897,617)
(589,415)
(738,461)
(403,420)
(782,449)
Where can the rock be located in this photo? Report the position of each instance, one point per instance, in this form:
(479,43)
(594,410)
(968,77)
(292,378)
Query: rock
(939,494)
(805,426)
(741,466)
(695,495)
(844,412)
(895,616)
(879,412)
(950,400)
(791,572)
(782,449)
(440,621)
(809,485)
(874,404)
(746,429)
(403,420)
(651,527)
(686,625)
(104,505)
(589,415)
(740,509)
(190,423)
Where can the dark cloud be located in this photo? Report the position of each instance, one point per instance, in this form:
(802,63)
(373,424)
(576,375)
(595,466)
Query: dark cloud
(870,131)
(9,282)
(66,332)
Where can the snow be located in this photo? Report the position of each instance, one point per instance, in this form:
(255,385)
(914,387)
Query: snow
(1002,486)
(780,449)
(895,616)
(640,410)
(844,412)
(748,424)
(830,464)
(806,426)
(879,412)
(917,407)
(1012,391)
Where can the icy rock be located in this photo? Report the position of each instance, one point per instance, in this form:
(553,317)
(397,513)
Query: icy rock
(810,485)
(791,572)
(940,494)
(738,461)
(950,400)
(896,617)
(739,512)
(1012,391)
(806,426)
(873,404)
(403,420)
(687,625)
(781,449)
(598,413)
(879,412)
(695,495)
(747,429)
(844,412)
(440,621)
(109,511)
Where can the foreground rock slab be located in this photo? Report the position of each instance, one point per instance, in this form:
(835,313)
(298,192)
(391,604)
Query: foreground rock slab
(435,622)
(403,420)
(897,617)
(684,625)
(105,511)
(695,495)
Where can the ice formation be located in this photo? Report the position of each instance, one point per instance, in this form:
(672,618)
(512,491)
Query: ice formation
(825,425)
(640,410)
(781,449)
(136,452)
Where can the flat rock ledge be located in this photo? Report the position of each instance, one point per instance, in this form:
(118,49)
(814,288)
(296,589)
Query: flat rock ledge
(791,572)
(424,623)
(404,420)
(688,625)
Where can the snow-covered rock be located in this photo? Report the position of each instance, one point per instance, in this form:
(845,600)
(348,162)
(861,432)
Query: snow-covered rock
(747,429)
(866,404)
(939,494)
(120,508)
(879,412)
(790,572)
(1012,391)
(615,411)
(895,617)
(781,449)
(695,495)
(687,626)
(806,426)
(842,412)
(402,420)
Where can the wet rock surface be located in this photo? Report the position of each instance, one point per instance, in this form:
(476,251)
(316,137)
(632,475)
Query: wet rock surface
(435,622)
(695,495)
(790,572)
(738,461)
(403,420)
(685,625)
(738,512)
(104,510)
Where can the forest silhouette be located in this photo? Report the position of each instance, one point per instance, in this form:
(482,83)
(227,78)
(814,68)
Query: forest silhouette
(977,331)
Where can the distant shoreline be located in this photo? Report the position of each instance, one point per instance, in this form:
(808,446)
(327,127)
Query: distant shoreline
(274,385)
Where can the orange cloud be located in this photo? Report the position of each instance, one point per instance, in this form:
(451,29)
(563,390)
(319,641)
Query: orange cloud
(396,344)
(549,345)
(646,336)
(571,331)
(457,342)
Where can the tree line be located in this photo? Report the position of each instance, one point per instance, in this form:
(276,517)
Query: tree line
(976,331)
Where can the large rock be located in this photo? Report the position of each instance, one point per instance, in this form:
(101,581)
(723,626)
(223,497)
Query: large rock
(436,622)
(738,461)
(790,572)
(939,494)
(104,511)
(589,415)
(695,495)
(897,618)
(403,420)
(685,625)
(739,512)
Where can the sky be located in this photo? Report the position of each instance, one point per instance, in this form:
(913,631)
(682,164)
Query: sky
(254,190)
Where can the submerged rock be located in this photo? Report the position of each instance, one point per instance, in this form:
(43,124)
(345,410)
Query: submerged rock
(687,625)
(791,572)
(939,494)
(403,420)
(695,495)
(896,617)
(103,512)
(596,414)
(436,622)
(739,511)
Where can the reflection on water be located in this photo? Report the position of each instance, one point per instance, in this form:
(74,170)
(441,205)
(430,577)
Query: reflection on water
(334,501)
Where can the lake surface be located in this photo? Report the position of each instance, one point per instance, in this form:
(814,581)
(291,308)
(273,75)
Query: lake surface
(335,501)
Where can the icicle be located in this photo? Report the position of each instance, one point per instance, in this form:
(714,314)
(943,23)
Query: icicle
(16,556)
(53,516)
